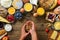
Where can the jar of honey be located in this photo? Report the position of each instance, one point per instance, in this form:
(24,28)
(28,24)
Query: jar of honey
(28,7)
(11,10)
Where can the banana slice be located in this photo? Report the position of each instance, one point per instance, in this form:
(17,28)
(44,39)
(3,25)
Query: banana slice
(3,20)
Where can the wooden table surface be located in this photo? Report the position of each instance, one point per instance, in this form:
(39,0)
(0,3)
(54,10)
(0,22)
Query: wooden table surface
(40,27)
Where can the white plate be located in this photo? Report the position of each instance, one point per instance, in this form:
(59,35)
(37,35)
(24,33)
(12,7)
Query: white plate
(17,4)
(6,3)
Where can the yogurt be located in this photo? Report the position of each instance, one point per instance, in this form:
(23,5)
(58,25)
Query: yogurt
(8,27)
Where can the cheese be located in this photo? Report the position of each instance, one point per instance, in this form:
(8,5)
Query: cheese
(54,35)
(58,37)
(3,20)
(57,25)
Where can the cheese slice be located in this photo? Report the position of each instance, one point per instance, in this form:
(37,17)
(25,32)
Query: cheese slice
(58,37)
(3,20)
(54,35)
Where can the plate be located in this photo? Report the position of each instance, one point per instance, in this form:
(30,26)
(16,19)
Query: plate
(8,27)
(17,4)
(6,3)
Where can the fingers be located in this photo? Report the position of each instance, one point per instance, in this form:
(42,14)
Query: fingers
(33,26)
(26,24)
(26,34)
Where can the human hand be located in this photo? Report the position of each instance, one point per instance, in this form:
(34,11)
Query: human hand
(23,33)
(32,30)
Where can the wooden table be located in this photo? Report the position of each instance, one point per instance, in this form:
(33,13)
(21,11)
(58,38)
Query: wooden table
(40,25)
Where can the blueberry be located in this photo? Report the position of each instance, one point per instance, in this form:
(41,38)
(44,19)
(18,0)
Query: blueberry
(18,15)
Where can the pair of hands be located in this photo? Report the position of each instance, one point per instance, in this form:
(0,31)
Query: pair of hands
(24,34)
